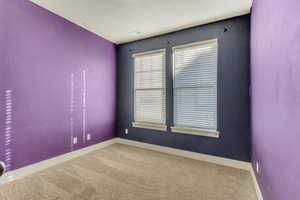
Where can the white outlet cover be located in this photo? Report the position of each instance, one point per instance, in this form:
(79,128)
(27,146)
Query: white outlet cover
(126,131)
(75,141)
(88,136)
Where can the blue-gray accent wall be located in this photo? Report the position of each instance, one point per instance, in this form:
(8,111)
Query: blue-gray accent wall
(233,89)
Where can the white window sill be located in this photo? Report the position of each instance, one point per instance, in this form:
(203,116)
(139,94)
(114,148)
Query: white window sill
(152,126)
(193,131)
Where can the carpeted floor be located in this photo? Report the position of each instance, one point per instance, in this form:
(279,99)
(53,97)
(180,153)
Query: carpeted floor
(121,172)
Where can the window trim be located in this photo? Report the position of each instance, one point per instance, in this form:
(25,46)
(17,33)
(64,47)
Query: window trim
(189,130)
(194,44)
(150,125)
(195,131)
(149,52)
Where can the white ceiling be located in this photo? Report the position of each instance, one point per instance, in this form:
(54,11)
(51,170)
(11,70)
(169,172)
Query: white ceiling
(123,21)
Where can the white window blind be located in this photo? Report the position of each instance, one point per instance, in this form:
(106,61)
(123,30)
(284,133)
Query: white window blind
(195,85)
(150,92)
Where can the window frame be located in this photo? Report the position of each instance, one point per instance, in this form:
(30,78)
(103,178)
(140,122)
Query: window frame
(189,130)
(151,125)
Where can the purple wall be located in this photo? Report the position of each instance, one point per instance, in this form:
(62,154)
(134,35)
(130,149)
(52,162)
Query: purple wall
(39,52)
(276,97)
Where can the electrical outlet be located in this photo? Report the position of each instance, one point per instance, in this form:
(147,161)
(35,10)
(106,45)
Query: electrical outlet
(257,167)
(126,131)
(88,137)
(75,140)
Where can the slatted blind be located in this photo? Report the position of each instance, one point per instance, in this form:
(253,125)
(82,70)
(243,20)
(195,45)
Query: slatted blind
(195,85)
(150,92)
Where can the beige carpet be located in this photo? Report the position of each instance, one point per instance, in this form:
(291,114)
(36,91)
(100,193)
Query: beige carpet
(121,172)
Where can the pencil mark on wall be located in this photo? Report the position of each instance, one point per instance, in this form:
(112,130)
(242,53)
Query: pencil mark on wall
(8,129)
(72,108)
(84,106)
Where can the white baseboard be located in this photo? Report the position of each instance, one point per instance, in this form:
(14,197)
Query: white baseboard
(25,171)
(256,186)
(188,154)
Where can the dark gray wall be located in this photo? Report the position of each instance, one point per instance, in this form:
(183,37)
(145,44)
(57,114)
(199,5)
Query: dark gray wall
(233,90)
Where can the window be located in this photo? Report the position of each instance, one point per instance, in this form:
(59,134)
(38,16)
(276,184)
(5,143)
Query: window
(195,88)
(150,90)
